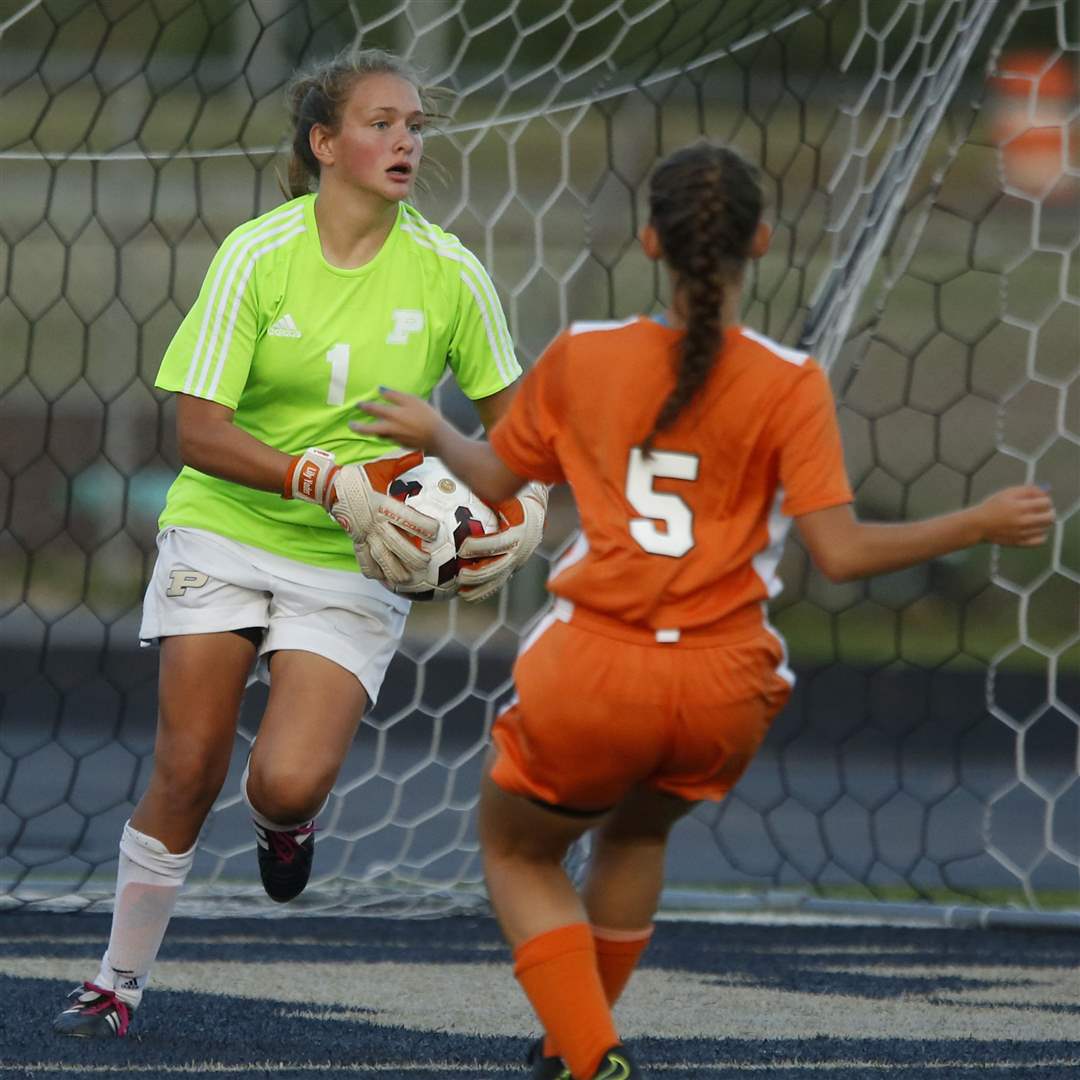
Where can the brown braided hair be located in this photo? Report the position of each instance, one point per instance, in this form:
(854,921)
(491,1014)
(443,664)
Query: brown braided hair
(705,203)
(319,95)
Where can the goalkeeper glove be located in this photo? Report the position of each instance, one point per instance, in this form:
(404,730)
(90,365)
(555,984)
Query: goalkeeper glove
(500,554)
(355,497)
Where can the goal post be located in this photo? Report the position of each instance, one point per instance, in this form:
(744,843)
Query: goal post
(922,175)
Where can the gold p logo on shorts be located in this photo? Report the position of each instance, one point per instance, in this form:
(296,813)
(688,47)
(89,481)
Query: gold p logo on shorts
(182,580)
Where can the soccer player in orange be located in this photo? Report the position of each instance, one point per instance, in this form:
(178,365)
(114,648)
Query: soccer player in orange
(689,443)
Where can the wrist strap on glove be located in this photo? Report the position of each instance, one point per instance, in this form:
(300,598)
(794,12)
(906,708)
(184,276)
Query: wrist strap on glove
(310,476)
(513,510)
(537,491)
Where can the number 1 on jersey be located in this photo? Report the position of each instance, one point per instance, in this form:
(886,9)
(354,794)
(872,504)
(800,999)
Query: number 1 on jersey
(338,359)
(654,506)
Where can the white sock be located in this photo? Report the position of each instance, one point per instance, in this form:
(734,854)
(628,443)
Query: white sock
(148,881)
(261,819)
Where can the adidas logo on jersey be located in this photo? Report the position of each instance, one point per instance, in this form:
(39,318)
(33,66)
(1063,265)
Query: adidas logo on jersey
(284,327)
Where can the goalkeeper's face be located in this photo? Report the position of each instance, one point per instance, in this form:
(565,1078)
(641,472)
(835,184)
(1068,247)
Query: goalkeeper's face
(381,140)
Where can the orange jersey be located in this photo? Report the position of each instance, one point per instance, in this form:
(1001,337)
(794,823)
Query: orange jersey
(688,537)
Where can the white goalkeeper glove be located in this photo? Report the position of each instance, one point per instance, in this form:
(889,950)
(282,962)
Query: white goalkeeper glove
(355,496)
(503,552)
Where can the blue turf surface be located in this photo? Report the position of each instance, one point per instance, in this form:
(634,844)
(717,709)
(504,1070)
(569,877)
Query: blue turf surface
(238,1036)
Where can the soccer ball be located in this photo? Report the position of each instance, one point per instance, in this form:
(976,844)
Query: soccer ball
(430,488)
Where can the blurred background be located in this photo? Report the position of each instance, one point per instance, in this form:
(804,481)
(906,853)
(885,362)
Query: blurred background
(922,166)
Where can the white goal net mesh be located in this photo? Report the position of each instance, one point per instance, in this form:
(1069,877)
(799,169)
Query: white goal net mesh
(922,167)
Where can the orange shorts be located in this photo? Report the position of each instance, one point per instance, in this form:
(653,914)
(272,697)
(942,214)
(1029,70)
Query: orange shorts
(597,715)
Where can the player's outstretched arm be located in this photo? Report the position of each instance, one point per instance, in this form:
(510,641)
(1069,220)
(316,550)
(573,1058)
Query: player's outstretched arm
(844,548)
(410,421)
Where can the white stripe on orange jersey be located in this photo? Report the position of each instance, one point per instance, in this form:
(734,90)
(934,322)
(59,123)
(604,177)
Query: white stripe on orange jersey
(588,326)
(573,554)
(764,564)
(792,356)
(545,622)
(766,561)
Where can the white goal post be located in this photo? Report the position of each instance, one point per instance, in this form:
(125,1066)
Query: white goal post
(921,160)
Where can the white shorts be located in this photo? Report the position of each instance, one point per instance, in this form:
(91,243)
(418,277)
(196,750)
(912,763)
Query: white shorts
(204,583)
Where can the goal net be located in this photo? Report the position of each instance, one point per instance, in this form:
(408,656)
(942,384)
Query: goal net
(922,171)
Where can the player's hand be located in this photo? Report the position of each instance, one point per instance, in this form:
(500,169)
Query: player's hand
(1017,516)
(498,555)
(377,522)
(402,418)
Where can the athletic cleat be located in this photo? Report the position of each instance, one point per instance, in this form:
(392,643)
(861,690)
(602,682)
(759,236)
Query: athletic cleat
(545,1068)
(617,1064)
(285,859)
(97,1013)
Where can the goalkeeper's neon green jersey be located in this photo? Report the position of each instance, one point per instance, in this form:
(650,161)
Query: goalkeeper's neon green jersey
(292,343)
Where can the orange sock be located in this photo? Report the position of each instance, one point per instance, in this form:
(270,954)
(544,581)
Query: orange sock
(617,954)
(557,970)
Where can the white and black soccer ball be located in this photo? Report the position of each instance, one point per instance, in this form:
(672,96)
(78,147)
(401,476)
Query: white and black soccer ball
(431,488)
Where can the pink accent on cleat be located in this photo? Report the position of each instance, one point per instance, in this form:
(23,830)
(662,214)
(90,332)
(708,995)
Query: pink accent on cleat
(116,1012)
(284,843)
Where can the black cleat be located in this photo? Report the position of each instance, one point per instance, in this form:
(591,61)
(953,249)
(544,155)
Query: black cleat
(95,1013)
(545,1068)
(617,1064)
(285,859)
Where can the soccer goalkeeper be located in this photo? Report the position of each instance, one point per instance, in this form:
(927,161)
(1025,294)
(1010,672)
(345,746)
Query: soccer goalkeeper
(302,312)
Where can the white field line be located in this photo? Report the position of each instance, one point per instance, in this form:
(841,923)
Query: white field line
(323,942)
(202,1068)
